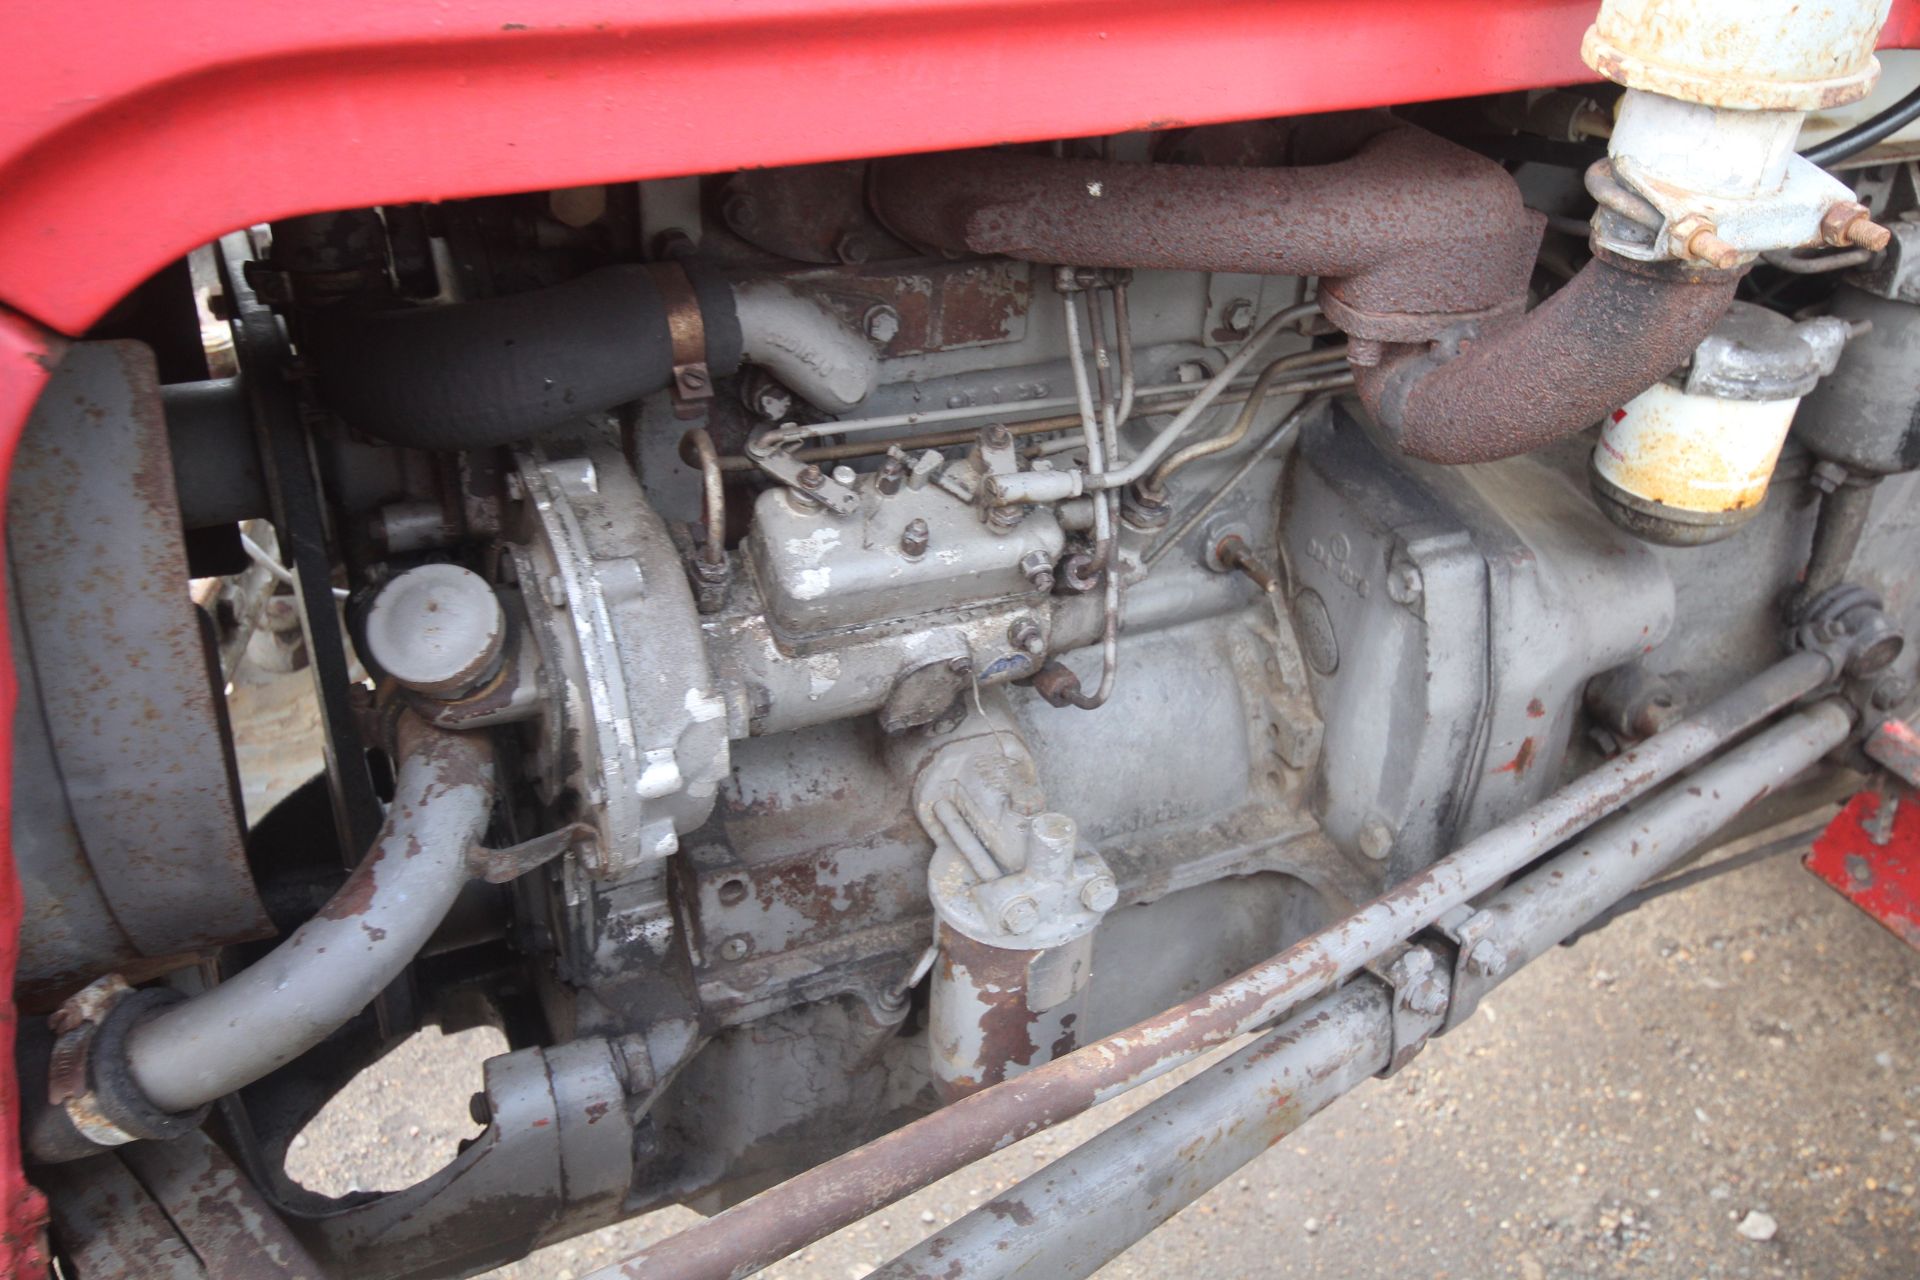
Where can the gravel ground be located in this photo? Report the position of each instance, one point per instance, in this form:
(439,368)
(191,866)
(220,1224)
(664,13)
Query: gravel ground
(1743,1054)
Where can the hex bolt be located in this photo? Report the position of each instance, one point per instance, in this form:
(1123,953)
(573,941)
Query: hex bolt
(1025,636)
(882,324)
(1019,915)
(1039,571)
(914,538)
(1002,519)
(1851,223)
(1376,839)
(893,473)
(811,477)
(995,435)
(739,213)
(1699,238)
(734,948)
(1239,315)
(1099,894)
(1486,959)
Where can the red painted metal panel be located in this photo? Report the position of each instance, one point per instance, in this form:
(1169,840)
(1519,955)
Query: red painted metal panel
(1875,863)
(135,131)
(27,356)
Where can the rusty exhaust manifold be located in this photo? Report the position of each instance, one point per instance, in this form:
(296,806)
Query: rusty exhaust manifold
(1424,250)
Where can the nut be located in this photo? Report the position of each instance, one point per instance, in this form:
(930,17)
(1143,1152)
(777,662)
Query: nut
(1486,959)
(811,477)
(1019,915)
(915,538)
(1039,570)
(1239,315)
(1851,223)
(1025,636)
(893,472)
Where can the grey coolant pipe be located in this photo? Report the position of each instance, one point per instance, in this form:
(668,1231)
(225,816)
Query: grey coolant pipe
(333,965)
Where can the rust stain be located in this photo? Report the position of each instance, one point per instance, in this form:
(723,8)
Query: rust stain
(1522,759)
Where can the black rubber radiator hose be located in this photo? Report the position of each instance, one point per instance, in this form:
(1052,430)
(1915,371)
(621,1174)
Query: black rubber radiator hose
(473,375)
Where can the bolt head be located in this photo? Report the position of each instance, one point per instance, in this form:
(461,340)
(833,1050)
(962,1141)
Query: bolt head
(882,324)
(1019,915)
(1891,692)
(852,248)
(734,948)
(1099,894)
(1376,839)
(846,475)
(1190,371)
(1239,315)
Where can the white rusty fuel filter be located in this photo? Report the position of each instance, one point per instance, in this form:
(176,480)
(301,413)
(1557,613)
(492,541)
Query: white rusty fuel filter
(1688,460)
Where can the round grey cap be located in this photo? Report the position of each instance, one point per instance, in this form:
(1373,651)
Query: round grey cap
(436,629)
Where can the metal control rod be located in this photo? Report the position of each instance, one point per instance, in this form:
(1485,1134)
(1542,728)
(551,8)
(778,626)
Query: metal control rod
(820,1201)
(1070,1217)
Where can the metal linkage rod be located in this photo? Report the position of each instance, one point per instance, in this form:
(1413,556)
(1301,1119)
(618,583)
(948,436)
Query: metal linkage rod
(1532,916)
(820,1201)
(1084,1208)
(1070,1217)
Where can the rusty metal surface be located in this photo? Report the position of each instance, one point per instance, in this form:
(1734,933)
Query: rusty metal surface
(122,665)
(1409,233)
(1754,55)
(1071,1216)
(843,1190)
(109,1227)
(810,213)
(1604,338)
(218,1212)
(935,306)
(988,1020)
(1870,855)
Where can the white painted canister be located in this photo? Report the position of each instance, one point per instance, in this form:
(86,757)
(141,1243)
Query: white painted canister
(1688,460)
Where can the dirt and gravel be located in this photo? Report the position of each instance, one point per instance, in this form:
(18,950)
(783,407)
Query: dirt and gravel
(1724,1084)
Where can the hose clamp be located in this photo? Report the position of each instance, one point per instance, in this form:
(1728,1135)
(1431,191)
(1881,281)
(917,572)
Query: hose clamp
(687,330)
(87,1078)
